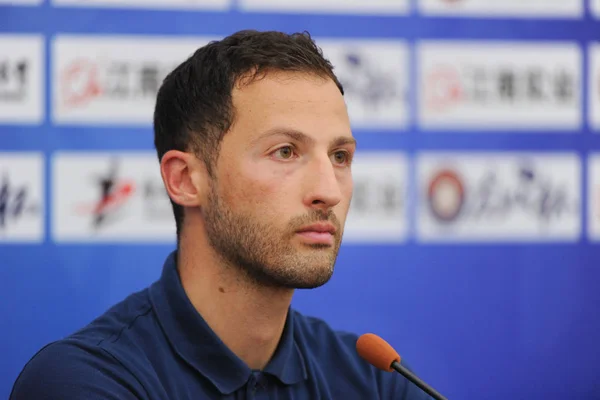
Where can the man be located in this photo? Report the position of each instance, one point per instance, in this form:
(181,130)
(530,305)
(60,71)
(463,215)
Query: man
(255,151)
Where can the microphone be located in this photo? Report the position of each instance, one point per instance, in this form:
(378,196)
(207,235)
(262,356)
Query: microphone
(380,354)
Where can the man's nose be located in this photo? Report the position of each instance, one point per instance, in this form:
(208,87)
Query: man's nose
(322,186)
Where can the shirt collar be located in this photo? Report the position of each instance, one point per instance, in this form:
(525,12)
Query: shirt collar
(198,345)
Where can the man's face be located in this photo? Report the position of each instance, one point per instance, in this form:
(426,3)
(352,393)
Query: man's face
(283,184)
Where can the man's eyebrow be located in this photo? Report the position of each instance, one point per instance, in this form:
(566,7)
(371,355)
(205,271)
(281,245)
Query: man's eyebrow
(301,137)
(343,140)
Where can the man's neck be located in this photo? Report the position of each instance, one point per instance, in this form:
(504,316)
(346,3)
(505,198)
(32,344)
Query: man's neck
(247,318)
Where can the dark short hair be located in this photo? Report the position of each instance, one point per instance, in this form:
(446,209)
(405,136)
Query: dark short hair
(194,103)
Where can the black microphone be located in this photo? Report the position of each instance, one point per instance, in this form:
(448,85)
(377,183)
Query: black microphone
(380,354)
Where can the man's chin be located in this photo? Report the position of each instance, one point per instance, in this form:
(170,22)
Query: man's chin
(312,276)
(316,277)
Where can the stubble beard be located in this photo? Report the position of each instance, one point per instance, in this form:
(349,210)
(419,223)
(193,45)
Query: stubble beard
(265,255)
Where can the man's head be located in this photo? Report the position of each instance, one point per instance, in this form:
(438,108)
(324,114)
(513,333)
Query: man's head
(255,147)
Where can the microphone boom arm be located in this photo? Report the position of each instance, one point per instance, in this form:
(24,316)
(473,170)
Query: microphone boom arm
(415,379)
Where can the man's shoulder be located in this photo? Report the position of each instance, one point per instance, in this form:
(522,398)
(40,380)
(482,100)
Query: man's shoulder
(89,362)
(72,369)
(119,325)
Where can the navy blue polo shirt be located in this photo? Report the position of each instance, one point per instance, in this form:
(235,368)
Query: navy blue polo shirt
(155,345)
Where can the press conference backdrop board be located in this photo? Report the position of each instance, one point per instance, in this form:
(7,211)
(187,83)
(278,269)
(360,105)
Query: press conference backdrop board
(472,241)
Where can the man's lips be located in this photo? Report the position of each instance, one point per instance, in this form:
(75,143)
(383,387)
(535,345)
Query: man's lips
(322,227)
(319,233)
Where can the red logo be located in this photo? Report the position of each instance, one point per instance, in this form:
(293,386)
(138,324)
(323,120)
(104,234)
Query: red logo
(443,88)
(114,193)
(80,83)
(446,195)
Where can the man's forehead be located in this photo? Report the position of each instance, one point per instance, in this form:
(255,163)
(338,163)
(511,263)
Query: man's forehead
(300,103)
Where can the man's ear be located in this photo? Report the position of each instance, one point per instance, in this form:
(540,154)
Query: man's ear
(184,178)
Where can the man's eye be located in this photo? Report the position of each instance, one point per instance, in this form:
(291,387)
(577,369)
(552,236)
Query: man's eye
(341,157)
(285,152)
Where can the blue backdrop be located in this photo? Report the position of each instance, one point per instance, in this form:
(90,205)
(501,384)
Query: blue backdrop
(488,320)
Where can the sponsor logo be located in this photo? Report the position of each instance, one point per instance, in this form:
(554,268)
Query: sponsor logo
(120,197)
(499,197)
(113,194)
(378,208)
(499,85)
(446,195)
(149,4)
(374,75)
(21,79)
(329,6)
(107,80)
(594,86)
(84,82)
(509,8)
(21,194)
